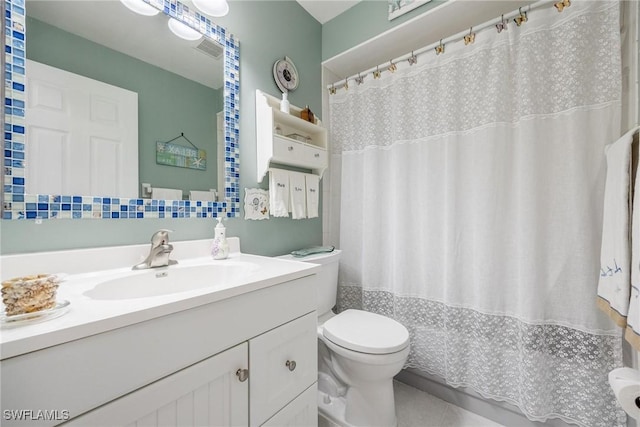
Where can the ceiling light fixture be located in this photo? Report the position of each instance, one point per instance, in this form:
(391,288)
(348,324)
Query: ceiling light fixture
(140,7)
(183,31)
(215,8)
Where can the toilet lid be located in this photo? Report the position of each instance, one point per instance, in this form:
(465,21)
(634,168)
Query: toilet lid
(366,332)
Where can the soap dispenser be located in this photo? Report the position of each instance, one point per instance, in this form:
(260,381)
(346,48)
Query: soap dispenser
(220,248)
(284,104)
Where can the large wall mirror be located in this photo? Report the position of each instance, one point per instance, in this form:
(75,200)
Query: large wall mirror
(108,114)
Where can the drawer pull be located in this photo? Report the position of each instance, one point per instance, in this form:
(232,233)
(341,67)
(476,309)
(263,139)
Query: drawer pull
(291,364)
(242,374)
(316,155)
(290,148)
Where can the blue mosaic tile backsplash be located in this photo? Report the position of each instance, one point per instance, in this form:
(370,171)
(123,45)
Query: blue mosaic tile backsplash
(19,205)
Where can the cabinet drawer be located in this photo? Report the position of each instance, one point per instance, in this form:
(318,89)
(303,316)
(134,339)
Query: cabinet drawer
(297,153)
(303,411)
(274,380)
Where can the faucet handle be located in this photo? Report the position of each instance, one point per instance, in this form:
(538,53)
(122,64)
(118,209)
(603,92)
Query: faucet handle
(160,237)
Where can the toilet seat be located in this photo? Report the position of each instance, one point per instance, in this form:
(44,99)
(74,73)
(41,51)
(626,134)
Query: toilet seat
(366,332)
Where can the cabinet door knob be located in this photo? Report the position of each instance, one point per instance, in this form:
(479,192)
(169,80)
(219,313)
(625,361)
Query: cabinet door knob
(291,364)
(316,155)
(290,148)
(242,374)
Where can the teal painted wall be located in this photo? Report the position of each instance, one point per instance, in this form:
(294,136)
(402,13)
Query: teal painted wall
(267,30)
(168,104)
(363,21)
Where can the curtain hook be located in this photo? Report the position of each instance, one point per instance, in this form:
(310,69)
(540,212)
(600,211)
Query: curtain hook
(392,68)
(359,79)
(346,84)
(332,90)
(520,19)
(439,48)
(376,73)
(562,4)
(470,38)
(412,59)
(502,25)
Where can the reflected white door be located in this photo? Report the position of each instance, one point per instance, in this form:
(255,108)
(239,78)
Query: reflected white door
(82,135)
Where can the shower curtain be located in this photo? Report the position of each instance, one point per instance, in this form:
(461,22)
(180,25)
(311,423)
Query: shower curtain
(471,190)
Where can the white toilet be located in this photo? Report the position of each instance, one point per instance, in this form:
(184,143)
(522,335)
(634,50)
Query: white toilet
(358,355)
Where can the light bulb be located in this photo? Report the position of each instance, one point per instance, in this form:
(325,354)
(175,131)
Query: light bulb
(140,7)
(183,31)
(215,8)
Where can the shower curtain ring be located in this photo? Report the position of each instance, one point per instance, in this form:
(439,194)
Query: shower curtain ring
(392,68)
(520,19)
(502,25)
(346,84)
(359,79)
(562,4)
(332,90)
(376,73)
(470,38)
(440,48)
(412,59)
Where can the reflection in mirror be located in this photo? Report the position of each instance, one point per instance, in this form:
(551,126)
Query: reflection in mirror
(185,91)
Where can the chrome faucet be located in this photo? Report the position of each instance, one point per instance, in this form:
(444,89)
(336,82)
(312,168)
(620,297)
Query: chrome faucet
(159,253)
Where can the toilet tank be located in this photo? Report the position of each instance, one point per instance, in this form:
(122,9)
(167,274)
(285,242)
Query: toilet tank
(328,277)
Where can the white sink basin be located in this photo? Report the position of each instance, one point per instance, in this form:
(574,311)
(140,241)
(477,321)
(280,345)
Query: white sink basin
(171,280)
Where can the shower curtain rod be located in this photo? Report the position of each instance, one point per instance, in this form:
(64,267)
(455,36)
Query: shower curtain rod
(459,36)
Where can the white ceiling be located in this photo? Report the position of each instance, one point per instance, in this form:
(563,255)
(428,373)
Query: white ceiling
(326,10)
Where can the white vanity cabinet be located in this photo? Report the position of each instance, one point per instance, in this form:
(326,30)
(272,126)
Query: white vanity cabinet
(307,149)
(247,360)
(208,393)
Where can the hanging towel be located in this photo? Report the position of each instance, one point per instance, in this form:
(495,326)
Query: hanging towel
(279,192)
(313,194)
(298,190)
(632,333)
(166,193)
(205,196)
(615,256)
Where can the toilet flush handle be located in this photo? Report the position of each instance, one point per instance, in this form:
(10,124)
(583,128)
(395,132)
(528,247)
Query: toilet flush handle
(291,364)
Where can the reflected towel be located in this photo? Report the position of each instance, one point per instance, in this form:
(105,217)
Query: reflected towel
(166,193)
(615,255)
(205,196)
(297,187)
(279,192)
(313,194)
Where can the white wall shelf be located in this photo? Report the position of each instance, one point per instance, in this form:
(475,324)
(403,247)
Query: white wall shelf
(275,147)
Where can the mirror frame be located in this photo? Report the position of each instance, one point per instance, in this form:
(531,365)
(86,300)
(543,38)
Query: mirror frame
(19,205)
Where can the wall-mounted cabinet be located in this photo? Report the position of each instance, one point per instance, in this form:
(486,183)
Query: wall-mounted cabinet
(287,139)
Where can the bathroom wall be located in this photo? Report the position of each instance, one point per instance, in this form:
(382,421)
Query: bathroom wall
(363,21)
(190,109)
(267,30)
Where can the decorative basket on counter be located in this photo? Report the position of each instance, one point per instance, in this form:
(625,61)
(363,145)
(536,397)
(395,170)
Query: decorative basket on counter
(29,294)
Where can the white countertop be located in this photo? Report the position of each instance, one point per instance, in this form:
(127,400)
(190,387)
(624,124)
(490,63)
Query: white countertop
(87,316)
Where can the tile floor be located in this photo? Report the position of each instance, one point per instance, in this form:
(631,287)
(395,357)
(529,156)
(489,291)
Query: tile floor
(415,408)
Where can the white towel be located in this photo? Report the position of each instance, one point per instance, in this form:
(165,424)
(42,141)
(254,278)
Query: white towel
(205,196)
(298,190)
(313,194)
(632,334)
(279,192)
(615,255)
(166,193)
